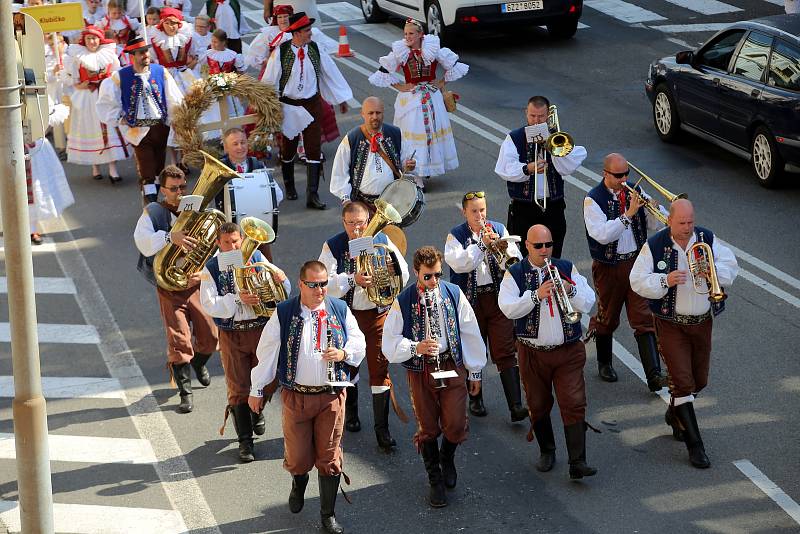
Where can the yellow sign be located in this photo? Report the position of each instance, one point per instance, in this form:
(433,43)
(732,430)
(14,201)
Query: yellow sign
(58,17)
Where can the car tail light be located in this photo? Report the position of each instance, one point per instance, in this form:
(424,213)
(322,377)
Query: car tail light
(472,19)
(780,139)
(572,9)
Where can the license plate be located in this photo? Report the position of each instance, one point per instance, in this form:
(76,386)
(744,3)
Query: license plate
(529,5)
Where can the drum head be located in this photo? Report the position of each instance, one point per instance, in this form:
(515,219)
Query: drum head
(406,198)
(397,236)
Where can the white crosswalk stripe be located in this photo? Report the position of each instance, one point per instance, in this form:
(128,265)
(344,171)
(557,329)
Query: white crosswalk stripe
(706,7)
(88,449)
(341,11)
(623,11)
(70,387)
(45,285)
(689,28)
(58,333)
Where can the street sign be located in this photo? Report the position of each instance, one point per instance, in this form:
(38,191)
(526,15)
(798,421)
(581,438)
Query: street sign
(58,17)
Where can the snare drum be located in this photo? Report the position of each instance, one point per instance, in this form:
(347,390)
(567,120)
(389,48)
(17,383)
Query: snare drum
(254,194)
(406,198)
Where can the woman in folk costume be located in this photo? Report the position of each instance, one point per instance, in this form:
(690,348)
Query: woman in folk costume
(90,142)
(116,20)
(218,59)
(419,110)
(172,45)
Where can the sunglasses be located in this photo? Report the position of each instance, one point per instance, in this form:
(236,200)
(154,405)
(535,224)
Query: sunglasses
(618,174)
(537,246)
(176,188)
(315,285)
(474,194)
(428,276)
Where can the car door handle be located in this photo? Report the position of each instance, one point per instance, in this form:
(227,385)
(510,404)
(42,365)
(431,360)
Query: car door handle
(755,93)
(715,81)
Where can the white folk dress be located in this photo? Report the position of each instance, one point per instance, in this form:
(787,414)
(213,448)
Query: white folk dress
(420,114)
(215,62)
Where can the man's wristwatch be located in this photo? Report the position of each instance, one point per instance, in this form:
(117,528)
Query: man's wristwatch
(168,238)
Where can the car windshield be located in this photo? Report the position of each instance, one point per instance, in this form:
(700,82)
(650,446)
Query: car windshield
(717,54)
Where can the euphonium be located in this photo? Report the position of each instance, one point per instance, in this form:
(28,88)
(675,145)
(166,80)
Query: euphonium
(701,261)
(387,280)
(256,278)
(173,266)
(500,255)
(560,294)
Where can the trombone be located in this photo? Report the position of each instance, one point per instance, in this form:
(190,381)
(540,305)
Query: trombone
(650,205)
(558,144)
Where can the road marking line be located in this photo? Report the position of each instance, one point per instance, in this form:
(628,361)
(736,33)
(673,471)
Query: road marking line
(341,11)
(70,387)
(776,2)
(46,246)
(45,285)
(93,519)
(769,488)
(689,28)
(253,5)
(88,449)
(384,34)
(623,11)
(58,333)
(706,7)
(767,268)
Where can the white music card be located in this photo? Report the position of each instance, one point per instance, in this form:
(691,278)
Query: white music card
(511,238)
(190,203)
(537,133)
(444,374)
(230,259)
(342,384)
(361,244)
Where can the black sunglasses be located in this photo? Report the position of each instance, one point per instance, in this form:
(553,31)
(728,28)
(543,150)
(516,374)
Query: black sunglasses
(176,188)
(428,276)
(315,285)
(537,246)
(618,174)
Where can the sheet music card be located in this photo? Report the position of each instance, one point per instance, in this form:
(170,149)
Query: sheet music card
(361,244)
(537,133)
(190,203)
(232,258)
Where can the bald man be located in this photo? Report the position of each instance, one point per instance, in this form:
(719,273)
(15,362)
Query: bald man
(616,228)
(551,353)
(368,158)
(683,316)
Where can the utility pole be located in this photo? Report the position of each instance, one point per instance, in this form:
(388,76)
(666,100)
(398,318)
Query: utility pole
(30,414)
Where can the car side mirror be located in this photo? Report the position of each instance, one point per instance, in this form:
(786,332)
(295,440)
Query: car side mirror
(684,58)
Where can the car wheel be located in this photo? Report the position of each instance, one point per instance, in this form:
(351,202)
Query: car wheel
(665,115)
(766,160)
(434,22)
(372,13)
(563,29)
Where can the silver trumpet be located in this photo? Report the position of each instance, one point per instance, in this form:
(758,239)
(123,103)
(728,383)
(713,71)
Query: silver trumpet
(560,294)
(440,383)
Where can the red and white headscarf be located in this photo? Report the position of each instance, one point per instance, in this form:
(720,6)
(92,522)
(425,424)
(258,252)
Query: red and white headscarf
(169,12)
(97,32)
(282,9)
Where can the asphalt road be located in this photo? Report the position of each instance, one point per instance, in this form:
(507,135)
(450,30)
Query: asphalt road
(748,413)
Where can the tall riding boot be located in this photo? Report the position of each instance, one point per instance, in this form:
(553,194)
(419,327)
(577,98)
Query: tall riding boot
(672,421)
(575,435)
(297,495)
(351,421)
(511,387)
(380,413)
(648,353)
(437,497)
(259,424)
(313,171)
(448,462)
(476,406)
(244,431)
(543,430)
(287,170)
(182,373)
(328,488)
(697,453)
(199,364)
(603,343)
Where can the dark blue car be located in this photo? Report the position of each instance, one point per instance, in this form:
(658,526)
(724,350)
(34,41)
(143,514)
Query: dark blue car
(740,90)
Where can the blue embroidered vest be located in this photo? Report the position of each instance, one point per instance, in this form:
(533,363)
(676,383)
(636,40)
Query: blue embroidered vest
(525,275)
(359,150)
(291,336)
(224,282)
(524,191)
(340,248)
(162,220)
(414,321)
(610,206)
(130,86)
(468,282)
(665,260)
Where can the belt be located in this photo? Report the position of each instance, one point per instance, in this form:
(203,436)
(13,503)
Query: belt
(250,324)
(540,348)
(488,288)
(442,357)
(313,390)
(147,122)
(690,319)
(626,256)
(298,101)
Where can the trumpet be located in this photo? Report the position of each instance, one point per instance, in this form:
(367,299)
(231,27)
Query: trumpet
(650,205)
(701,262)
(560,294)
(440,383)
(498,252)
(558,144)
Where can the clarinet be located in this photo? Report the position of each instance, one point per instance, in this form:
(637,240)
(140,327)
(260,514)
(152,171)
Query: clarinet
(440,383)
(331,365)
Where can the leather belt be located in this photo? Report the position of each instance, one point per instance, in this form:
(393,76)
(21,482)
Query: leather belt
(147,122)
(540,348)
(313,390)
(298,101)
(488,288)
(691,319)
(626,256)
(250,324)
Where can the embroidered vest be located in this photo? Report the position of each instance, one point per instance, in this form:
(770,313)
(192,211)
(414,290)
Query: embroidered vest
(224,282)
(165,58)
(359,151)
(416,71)
(121,36)
(610,205)
(287,61)
(131,90)
(95,78)
(340,248)
(524,191)
(215,67)
(468,282)
(161,218)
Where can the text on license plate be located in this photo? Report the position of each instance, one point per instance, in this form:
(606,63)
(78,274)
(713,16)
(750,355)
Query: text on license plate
(529,5)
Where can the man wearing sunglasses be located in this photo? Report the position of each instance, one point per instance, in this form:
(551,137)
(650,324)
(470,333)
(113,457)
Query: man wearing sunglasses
(304,335)
(440,309)
(551,353)
(518,165)
(347,284)
(616,228)
(478,274)
(181,311)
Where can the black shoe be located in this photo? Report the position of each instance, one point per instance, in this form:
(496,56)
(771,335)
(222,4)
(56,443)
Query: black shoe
(694,444)
(476,406)
(243,424)
(351,421)
(674,424)
(603,343)
(513,392)
(437,497)
(287,169)
(328,488)
(98,177)
(181,373)
(448,462)
(575,435)
(543,430)
(297,495)
(259,424)
(380,413)
(199,365)
(648,354)
(115,179)
(313,171)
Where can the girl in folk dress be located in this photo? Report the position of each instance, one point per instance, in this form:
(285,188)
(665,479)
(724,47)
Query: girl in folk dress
(219,58)
(123,27)
(91,142)
(172,46)
(419,110)
(201,41)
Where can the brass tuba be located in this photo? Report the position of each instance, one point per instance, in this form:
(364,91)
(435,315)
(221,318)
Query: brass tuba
(387,281)
(173,266)
(701,262)
(256,278)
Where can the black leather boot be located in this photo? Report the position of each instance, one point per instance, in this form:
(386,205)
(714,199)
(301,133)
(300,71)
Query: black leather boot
(182,373)
(380,413)
(575,435)
(287,170)
(313,171)
(448,462)
(511,387)
(244,431)
(437,497)
(543,430)
(694,444)
(351,421)
(648,353)
(603,343)
(297,495)
(476,406)
(199,364)
(328,488)
(259,424)
(672,421)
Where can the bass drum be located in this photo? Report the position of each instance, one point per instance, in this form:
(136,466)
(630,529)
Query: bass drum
(253,194)
(406,198)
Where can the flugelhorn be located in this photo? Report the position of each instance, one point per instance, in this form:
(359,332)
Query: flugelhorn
(500,254)
(256,278)
(560,294)
(700,257)
(650,206)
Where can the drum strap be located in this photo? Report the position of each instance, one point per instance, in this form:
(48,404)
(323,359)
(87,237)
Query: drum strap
(272,186)
(382,153)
